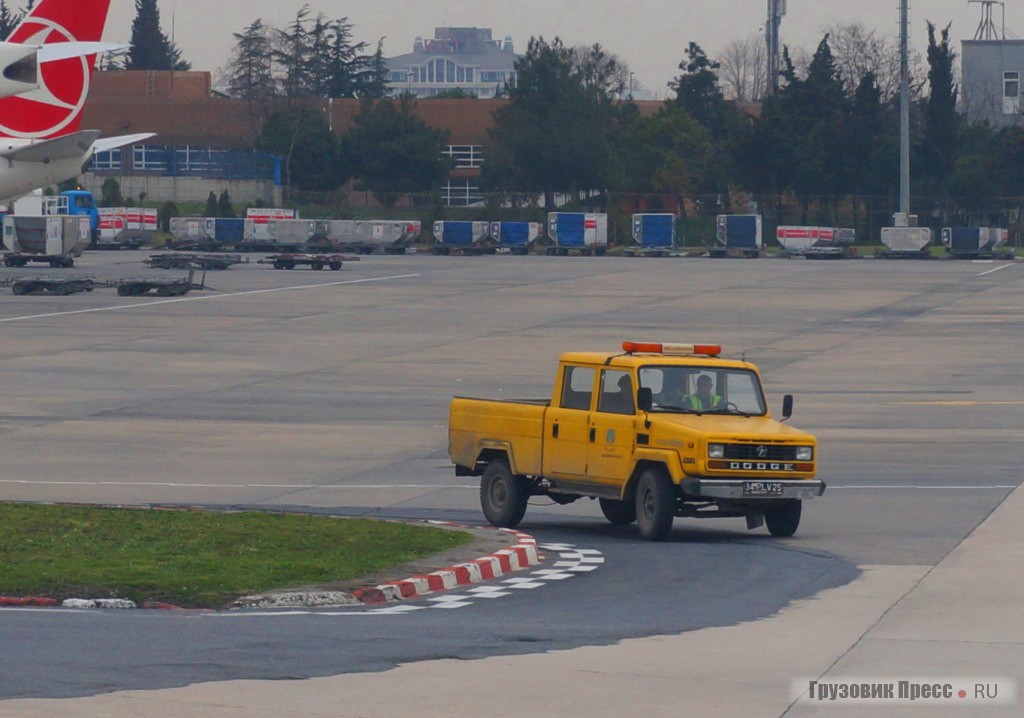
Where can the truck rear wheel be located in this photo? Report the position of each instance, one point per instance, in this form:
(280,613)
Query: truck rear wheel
(503,496)
(655,505)
(620,513)
(784,519)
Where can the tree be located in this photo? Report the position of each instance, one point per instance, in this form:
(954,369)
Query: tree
(150,48)
(212,208)
(697,90)
(743,71)
(941,122)
(110,193)
(250,70)
(555,134)
(292,53)
(393,150)
(312,159)
(666,152)
(8,20)
(224,205)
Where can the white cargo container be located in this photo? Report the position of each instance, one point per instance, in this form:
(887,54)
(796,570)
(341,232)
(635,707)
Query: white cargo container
(51,239)
(906,240)
(365,236)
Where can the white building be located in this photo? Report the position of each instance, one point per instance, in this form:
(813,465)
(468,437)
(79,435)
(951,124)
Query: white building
(457,58)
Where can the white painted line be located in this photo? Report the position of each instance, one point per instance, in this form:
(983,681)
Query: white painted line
(993,271)
(171,484)
(205,297)
(920,488)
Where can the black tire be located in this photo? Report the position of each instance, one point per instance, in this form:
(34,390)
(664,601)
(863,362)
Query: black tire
(278,264)
(784,519)
(20,289)
(61,290)
(289,264)
(9,262)
(124,290)
(655,505)
(620,513)
(503,496)
(335,266)
(316,266)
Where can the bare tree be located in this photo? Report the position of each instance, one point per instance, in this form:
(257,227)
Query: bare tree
(858,51)
(743,68)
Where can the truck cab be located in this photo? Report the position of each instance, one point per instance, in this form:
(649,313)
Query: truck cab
(654,432)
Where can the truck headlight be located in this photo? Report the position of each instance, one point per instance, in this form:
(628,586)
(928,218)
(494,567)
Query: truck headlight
(716,451)
(804,453)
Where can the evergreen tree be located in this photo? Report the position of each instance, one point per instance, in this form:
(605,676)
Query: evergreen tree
(250,69)
(552,114)
(8,20)
(394,151)
(941,122)
(212,206)
(150,48)
(292,53)
(311,151)
(224,205)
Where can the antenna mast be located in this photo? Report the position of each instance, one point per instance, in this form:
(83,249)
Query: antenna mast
(987,27)
(776,11)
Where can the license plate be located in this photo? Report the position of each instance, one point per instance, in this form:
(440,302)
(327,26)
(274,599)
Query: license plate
(762,488)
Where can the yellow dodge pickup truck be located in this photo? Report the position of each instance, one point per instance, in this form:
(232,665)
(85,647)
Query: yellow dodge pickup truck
(654,432)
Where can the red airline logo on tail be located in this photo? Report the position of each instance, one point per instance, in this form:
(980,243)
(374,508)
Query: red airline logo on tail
(55,109)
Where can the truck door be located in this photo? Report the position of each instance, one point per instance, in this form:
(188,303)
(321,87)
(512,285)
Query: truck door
(567,424)
(612,429)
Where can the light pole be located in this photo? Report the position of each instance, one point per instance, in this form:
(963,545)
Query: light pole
(904,114)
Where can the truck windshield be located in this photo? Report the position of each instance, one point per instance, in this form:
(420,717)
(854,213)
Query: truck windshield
(703,390)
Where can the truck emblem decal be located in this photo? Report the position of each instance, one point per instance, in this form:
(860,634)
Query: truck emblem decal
(610,436)
(762,451)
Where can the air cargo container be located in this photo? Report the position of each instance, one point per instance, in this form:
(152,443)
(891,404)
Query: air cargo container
(974,242)
(816,242)
(464,237)
(48,239)
(516,237)
(126,227)
(655,233)
(390,236)
(578,231)
(906,241)
(738,235)
(283,235)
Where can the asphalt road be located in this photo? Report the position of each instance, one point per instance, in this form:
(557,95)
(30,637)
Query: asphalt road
(328,390)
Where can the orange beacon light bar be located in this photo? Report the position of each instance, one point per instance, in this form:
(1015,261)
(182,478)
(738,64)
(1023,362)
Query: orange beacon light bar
(712,350)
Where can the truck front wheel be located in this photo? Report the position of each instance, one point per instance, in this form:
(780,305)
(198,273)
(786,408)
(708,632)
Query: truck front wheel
(503,496)
(784,519)
(620,513)
(655,505)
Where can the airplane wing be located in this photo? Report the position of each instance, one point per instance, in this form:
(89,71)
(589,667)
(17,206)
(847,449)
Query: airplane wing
(106,144)
(67,50)
(59,148)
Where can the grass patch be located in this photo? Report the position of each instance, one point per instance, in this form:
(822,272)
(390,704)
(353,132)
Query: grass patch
(193,558)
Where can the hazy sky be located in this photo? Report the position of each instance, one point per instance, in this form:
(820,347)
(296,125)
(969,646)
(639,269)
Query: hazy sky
(650,35)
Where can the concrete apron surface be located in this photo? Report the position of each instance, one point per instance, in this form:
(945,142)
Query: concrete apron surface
(960,620)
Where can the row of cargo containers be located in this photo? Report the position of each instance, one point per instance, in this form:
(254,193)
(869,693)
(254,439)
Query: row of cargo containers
(126,226)
(275,234)
(46,235)
(586,232)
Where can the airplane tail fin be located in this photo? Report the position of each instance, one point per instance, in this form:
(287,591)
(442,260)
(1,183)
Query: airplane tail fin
(55,108)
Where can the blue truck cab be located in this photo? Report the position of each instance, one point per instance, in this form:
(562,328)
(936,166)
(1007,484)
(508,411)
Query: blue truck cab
(82,202)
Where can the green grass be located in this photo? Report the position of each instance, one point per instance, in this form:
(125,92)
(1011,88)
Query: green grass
(193,558)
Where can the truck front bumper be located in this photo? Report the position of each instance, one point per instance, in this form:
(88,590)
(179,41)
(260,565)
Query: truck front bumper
(753,489)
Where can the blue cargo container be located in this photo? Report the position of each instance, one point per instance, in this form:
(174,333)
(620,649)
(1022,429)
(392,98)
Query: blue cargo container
(740,233)
(973,242)
(515,236)
(655,231)
(229,231)
(585,232)
(464,236)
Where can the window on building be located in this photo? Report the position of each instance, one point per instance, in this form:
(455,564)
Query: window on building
(465,155)
(150,158)
(469,74)
(106,161)
(399,76)
(1011,93)
(460,193)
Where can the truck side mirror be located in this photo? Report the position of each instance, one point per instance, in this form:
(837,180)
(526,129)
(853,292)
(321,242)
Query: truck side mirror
(644,398)
(787,406)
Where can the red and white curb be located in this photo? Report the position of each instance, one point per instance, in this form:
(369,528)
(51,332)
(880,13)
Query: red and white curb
(522,554)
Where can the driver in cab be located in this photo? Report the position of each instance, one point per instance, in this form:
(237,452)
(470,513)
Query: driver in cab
(704,399)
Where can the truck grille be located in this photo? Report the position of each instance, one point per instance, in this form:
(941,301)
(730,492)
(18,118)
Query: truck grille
(760,452)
